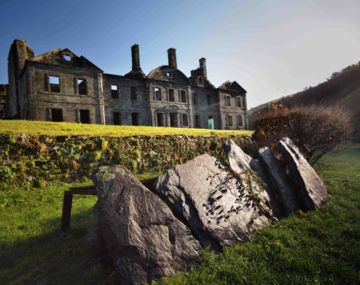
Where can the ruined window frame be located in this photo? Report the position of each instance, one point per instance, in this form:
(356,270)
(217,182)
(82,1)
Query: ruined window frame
(201,80)
(176,116)
(118,115)
(209,100)
(53,87)
(227,100)
(229,120)
(133,94)
(82,111)
(183,96)
(163,119)
(238,101)
(115,93)
(240,121)
(78,86)
(197,121)
(184,123)
(169,75)
(157,94)
(173,94)
(195,99)
(51,115)
(67,57)
(136,116)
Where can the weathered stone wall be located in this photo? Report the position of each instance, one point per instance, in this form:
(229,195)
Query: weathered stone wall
(3,98)
(207,108)
(40,158)
(232,110)
(68,99)
(166,107)
(124,105)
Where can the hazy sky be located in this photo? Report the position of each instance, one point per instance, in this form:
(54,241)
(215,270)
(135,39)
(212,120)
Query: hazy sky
(272,48)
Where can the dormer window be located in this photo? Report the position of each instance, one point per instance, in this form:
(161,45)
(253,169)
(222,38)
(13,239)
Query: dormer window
(201,80)
(67,57)
(169,75)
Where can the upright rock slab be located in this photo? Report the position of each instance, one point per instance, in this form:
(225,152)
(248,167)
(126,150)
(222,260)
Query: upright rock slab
(311,190)
(278,180)
(215,205)
(251,174)
(140,232)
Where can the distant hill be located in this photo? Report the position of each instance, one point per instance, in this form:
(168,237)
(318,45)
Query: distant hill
(341,89)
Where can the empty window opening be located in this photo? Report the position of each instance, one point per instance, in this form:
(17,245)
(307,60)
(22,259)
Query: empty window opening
(81,86)
(133,94)
(229,121)
(197,121)
(209,101)
(135,119)
(84,116)
(240,121)
(157,94)
(195,99)
(171,95)
(183,96)
(54,82)
(114,91)
(201,80)
(238,101)
(173,120)
(227,100)
(160,119)
(57,115)
(116,118)
(169,75)
(185,120)
(67,57)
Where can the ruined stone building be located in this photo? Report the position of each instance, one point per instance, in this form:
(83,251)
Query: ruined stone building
(3,99)
(61,86)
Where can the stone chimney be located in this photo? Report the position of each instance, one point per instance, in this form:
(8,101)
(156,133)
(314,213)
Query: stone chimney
(135,56)
(202,62)
(172,57)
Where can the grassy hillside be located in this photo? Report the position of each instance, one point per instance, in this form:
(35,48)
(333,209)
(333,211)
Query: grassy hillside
(308,248)
(74,129)
(342,90)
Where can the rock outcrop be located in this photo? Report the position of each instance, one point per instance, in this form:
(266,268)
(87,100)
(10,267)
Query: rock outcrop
(311,190)
(141,234)
(284,194)
(156,231)
(219,208)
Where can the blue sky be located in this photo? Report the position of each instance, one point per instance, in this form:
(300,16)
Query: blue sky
(272,48)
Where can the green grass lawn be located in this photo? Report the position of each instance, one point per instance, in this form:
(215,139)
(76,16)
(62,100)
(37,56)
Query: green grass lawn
(308,248)
(68,129)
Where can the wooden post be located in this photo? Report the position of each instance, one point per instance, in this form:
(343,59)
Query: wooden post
(66,211)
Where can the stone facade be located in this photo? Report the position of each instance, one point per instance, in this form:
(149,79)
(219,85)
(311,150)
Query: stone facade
(3,97)
(61,86)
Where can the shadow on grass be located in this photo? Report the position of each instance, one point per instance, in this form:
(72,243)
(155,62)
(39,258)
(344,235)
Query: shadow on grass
(55,257)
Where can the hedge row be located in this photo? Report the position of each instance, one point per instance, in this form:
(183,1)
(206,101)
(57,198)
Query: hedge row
(37,159)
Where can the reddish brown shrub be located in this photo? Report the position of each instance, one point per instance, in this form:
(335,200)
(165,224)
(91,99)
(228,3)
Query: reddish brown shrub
(315,130)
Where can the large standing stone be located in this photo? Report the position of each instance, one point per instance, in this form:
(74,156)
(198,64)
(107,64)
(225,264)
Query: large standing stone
(251,173)
(140,232)
(214,203)
(310,188)
(278,181)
